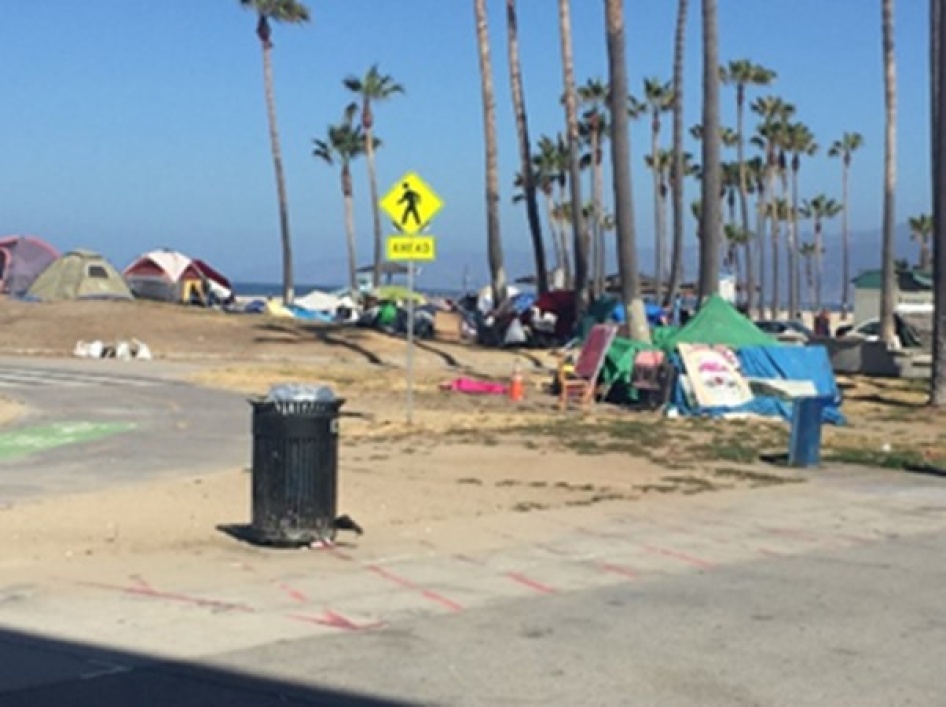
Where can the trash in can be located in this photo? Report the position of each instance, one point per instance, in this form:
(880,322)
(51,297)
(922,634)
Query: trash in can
(804,448)
(295,467)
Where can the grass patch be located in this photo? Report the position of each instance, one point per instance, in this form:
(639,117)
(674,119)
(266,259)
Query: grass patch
(756,478)
(894,459)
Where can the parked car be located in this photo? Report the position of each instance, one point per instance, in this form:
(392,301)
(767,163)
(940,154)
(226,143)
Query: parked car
(787,330)
(869,330)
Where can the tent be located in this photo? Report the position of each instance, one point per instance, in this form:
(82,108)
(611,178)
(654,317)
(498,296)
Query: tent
(171,276)
(80,274)
(22,260)
(719,323)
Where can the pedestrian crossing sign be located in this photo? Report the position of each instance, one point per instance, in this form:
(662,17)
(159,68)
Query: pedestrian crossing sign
(411,204)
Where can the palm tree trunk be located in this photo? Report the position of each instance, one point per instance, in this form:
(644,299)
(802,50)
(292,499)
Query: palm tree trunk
(375,208)
(347,195)
(493,236)
(676,253)
(288,286)
(522,130)
(658,235)
(888,285)
(710,218)
(600,250)
(794,267)
(744,198)
(776,237)
(846,245)
(553,229)
(621,169)
(819,266)
(574,167)
(563,243)
(938,120)
(760,232)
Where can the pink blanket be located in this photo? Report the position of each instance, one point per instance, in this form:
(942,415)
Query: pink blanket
(475,387)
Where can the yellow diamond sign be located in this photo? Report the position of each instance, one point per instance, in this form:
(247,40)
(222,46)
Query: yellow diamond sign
(412,248)
(411,204)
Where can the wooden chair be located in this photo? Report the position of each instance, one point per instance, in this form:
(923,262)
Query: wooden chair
(582,381)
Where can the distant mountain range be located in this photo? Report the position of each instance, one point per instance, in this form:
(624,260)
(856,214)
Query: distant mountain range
(448,271)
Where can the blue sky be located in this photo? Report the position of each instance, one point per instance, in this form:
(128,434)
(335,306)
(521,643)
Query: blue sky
(133,124)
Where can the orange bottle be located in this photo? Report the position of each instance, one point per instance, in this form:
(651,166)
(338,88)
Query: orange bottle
(516,387)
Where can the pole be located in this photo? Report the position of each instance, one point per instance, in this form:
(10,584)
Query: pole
(410,343)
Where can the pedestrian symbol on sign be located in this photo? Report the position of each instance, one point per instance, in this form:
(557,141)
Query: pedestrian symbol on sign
(410,199)
(411,204)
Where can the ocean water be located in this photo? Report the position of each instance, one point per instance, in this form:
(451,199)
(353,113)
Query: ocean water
(274,289)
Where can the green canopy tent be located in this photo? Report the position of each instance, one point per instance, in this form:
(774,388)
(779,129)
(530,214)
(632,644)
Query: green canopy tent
(716,323)
(719,323)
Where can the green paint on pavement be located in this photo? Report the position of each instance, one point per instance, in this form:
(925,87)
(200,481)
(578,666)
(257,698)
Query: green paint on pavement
(30,440)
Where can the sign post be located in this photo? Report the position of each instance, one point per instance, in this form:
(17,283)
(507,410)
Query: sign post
(411,204)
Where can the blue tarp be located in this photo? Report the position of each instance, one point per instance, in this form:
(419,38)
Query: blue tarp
(779,362)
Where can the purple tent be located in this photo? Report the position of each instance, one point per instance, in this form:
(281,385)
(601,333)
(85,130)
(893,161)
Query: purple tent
(22,260)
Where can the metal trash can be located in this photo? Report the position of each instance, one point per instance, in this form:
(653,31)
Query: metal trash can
(804,446)
(295,468)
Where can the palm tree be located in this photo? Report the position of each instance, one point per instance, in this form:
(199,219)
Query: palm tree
(342,144)
(574,162)
(921,231)
(676,250)
(938,132)
(372,88)
(742,73)
(889,284)
(845,148)
(658,97)
(660,166)
(818,210)
(621,170)
(774,113)
(736,239)
(593,95)
(493,236)
(525,146)
(549,165)
(778,213)
(799,141)
(809,252)
(755,170)
(710,224)
(268,12)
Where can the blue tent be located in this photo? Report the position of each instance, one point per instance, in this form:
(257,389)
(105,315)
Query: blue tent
(779,362)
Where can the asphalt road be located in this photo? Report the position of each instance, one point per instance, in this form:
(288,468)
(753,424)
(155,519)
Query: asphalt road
(178,428)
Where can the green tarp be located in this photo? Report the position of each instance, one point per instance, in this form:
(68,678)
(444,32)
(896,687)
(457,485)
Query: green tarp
(719,323)
(619,366)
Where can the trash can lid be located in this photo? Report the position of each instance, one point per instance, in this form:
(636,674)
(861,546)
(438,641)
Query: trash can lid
(301,393)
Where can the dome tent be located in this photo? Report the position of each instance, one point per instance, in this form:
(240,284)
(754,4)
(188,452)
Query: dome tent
(171,276)
(80,274)
(22,260)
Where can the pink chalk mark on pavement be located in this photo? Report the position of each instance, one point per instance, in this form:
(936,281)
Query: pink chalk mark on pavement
(333,620)
(146,591)
(681,556)
(407,584)
(530,583)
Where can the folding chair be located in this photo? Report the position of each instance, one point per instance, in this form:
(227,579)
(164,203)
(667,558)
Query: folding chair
(582,382)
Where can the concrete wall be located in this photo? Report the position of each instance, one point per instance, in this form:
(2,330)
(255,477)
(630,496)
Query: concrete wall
(867,302)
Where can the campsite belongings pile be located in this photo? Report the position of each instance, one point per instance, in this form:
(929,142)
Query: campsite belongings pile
(719,365)
(122,350)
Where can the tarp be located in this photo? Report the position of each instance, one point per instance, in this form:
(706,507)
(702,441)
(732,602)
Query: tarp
(778,362)
(718,322)
(80,274)
(22,260)
(619,367)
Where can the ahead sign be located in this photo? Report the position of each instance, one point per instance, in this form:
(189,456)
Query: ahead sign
(423,248)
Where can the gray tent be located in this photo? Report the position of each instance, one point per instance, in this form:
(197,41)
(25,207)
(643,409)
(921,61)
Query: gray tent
(22,260)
